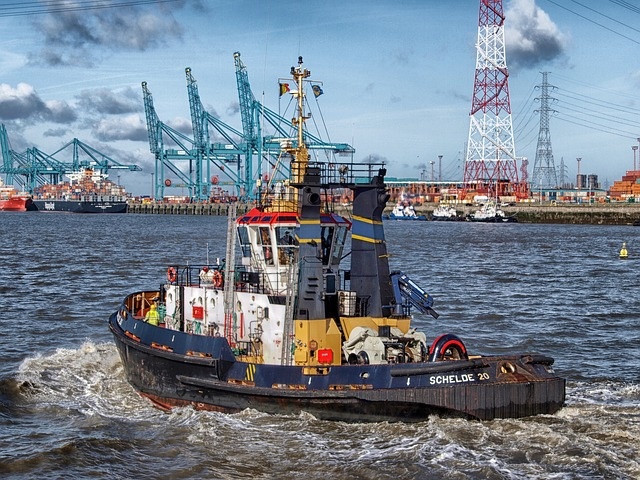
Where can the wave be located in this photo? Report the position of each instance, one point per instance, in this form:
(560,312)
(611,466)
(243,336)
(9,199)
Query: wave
(594,436)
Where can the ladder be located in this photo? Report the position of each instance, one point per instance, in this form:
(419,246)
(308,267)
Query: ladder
(230,326)
(290,307)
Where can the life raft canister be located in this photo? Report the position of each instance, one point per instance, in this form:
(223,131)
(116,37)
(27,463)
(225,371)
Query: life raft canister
(447,345)
(172,274)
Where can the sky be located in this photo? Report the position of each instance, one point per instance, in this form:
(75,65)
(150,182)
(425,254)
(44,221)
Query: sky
(397,76)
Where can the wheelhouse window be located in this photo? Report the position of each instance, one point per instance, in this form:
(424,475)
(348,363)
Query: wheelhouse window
(286,244)
(245,243)
(338,244)
(264,238)
(326,237)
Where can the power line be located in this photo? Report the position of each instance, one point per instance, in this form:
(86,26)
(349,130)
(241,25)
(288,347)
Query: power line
(594,22)
(599,115)
(606,16)
(626,5)
(17,9)
(586,112)
(600,103)
(595,126)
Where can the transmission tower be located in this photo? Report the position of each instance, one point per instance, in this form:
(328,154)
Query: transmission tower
(491,160)
(544,169)
(564,182)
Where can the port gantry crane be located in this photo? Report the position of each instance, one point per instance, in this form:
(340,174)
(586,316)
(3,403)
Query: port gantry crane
(219,153)
(164,159)
(198,151)
(268,147)
(85,156)
(30,168)
(34,167)
(235,151)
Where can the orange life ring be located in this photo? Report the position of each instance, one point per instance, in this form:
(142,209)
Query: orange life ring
(217,279)
(172,274)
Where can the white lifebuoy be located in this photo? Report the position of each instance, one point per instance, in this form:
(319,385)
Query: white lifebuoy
(217,280)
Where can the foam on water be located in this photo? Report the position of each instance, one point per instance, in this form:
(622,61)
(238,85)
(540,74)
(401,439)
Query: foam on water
(86,385)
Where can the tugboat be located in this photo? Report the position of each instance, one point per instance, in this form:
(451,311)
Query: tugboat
(291,328)
(404,211)
(445,213)
(489,212)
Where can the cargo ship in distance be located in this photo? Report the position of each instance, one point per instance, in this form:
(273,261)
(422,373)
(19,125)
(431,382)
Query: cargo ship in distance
(87,191)
(12,200)
(287,326)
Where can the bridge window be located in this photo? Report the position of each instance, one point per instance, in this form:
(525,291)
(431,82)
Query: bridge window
(286,244)
(245,243)
(267,249)
(326,237)
(340,238)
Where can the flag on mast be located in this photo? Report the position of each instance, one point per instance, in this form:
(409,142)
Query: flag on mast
(284,88)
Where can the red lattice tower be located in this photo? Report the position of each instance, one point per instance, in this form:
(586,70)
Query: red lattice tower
(490,162)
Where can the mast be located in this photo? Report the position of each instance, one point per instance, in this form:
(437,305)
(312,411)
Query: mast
(300,152)
(306,295)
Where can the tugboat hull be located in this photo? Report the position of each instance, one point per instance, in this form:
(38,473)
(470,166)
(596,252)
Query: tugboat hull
(484,388)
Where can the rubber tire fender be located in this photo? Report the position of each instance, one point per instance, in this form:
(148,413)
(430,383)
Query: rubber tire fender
(444,342)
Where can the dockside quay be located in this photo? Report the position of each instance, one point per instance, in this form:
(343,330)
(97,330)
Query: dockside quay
(561,213)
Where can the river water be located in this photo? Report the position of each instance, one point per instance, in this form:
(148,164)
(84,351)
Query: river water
(559,290)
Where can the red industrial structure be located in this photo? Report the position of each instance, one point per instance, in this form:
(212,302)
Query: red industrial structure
(491,164)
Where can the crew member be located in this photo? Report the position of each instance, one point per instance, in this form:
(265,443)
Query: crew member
(152,317)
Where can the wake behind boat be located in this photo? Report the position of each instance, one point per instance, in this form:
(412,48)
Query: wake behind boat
(289,327)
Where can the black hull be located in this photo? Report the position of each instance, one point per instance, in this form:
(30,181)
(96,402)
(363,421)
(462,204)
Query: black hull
(30,206)
(165,366)
(80,206)
(496,219)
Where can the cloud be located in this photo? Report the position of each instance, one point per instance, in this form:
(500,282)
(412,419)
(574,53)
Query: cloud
(233,109)
(403,57)
(108,102)
(53,58)
(24,103)
(19,102)
(531,37)
(55,132)
(58,111)
(80,36)
(130,127)
(182,125)
(374,158)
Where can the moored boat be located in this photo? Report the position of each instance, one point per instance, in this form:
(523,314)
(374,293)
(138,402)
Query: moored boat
(84,204)
(289,327)
(445,213)
(489,212)
(87,191)
(404,211)
(12,200)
